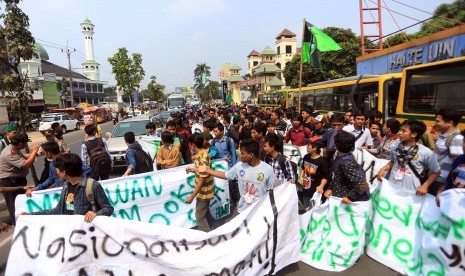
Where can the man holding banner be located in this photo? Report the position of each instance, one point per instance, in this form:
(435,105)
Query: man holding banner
(254,176)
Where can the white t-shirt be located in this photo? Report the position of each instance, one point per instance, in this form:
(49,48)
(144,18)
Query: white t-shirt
(253,182)
(364,140)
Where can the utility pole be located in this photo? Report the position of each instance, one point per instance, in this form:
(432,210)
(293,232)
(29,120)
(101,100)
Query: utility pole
(68,52)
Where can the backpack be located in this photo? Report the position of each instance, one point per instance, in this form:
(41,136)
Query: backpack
(144,162)
(100,161)
(90,194)
(282,163)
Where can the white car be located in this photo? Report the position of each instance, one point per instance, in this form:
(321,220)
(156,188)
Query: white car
(136,113)
(115,141)
(66,122)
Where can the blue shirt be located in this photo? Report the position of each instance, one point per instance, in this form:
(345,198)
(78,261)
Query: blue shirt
(52,178)
(222,146)
(131,161)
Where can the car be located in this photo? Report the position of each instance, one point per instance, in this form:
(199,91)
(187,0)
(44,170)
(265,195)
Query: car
(115,141)
(161,118)
(136,113)
(66,122)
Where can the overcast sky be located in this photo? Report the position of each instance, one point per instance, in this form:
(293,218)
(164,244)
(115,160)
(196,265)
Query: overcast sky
(175,35)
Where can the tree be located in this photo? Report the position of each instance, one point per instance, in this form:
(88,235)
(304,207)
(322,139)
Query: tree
(455,10)
(155,91)
(16,44)
(201,73)
(128,71)
(335,64)
(110,92)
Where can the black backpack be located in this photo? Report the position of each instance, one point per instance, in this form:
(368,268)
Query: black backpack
(144,162)
(100,161)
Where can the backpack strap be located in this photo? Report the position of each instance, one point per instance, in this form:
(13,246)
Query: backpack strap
(90,193)
(360,135)
(450,138)
(228,144)
(415,172)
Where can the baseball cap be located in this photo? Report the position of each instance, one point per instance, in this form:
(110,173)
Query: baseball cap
(11,127)
(19,138)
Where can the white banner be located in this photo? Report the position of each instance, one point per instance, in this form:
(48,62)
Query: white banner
(414,236)
(335,235)
(260,241)
(156,197)
(370,164)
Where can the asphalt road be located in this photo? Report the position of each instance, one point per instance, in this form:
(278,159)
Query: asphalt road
(364,266)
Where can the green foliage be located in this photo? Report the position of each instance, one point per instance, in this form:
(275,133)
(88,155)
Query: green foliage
(155,91)
(128,71)
(455,11)
(16,43)
(200,88)
(335,64)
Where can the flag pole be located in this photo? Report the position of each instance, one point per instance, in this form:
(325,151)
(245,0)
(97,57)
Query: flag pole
(301,68)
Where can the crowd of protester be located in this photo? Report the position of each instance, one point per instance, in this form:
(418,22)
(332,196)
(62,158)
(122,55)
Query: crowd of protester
(252,140)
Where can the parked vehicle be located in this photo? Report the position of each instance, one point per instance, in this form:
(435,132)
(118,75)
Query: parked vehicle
(66,122)
(115,141)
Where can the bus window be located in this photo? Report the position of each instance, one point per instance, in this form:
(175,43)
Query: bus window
(428,90)
(391,97)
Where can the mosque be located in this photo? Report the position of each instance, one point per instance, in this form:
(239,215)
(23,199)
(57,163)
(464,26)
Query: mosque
(52,82)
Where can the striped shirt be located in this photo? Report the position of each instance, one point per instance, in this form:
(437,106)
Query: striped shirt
(446,156)
(208,188)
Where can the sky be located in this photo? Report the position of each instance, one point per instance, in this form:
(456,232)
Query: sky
(174,36)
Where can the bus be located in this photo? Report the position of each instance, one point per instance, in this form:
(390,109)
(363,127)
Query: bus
(417,92)
(429,87)
(176,101)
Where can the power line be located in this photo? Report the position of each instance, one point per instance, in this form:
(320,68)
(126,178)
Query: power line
(443,17)
(413,25)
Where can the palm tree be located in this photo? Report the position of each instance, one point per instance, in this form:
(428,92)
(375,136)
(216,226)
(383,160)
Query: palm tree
(201,73)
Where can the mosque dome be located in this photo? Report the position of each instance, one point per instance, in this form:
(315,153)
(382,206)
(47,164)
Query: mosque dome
(86,22)
(42,52)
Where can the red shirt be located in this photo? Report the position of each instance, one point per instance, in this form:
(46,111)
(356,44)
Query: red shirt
(298,136)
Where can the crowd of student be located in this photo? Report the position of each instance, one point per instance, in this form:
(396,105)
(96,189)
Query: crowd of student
(251,140)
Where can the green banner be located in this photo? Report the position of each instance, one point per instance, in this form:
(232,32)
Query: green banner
(51,95)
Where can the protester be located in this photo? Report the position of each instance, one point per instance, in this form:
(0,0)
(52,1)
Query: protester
(337,123)
(362,135)
(94,152)
(280,125)
(254,176)
(14,167)
(315,172)
(307,118)
(225,145)
(298,135)
(282,166)
(412,166)
(204,189)
(319,127)
(74,199)
(390,129)
(151,130)
(349,180)
(181,141)
(448,145)
(137,160)
(376,138)
(258,134)
(456,178)
(11,131)
(168,155)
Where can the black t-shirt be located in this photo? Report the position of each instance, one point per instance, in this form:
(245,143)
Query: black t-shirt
(70,199)
(320,170)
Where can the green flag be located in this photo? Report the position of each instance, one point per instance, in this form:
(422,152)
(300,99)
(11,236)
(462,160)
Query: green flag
(228,99)
(204,79)
(315,41)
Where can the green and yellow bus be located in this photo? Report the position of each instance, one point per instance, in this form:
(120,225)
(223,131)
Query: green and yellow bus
(416,93)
